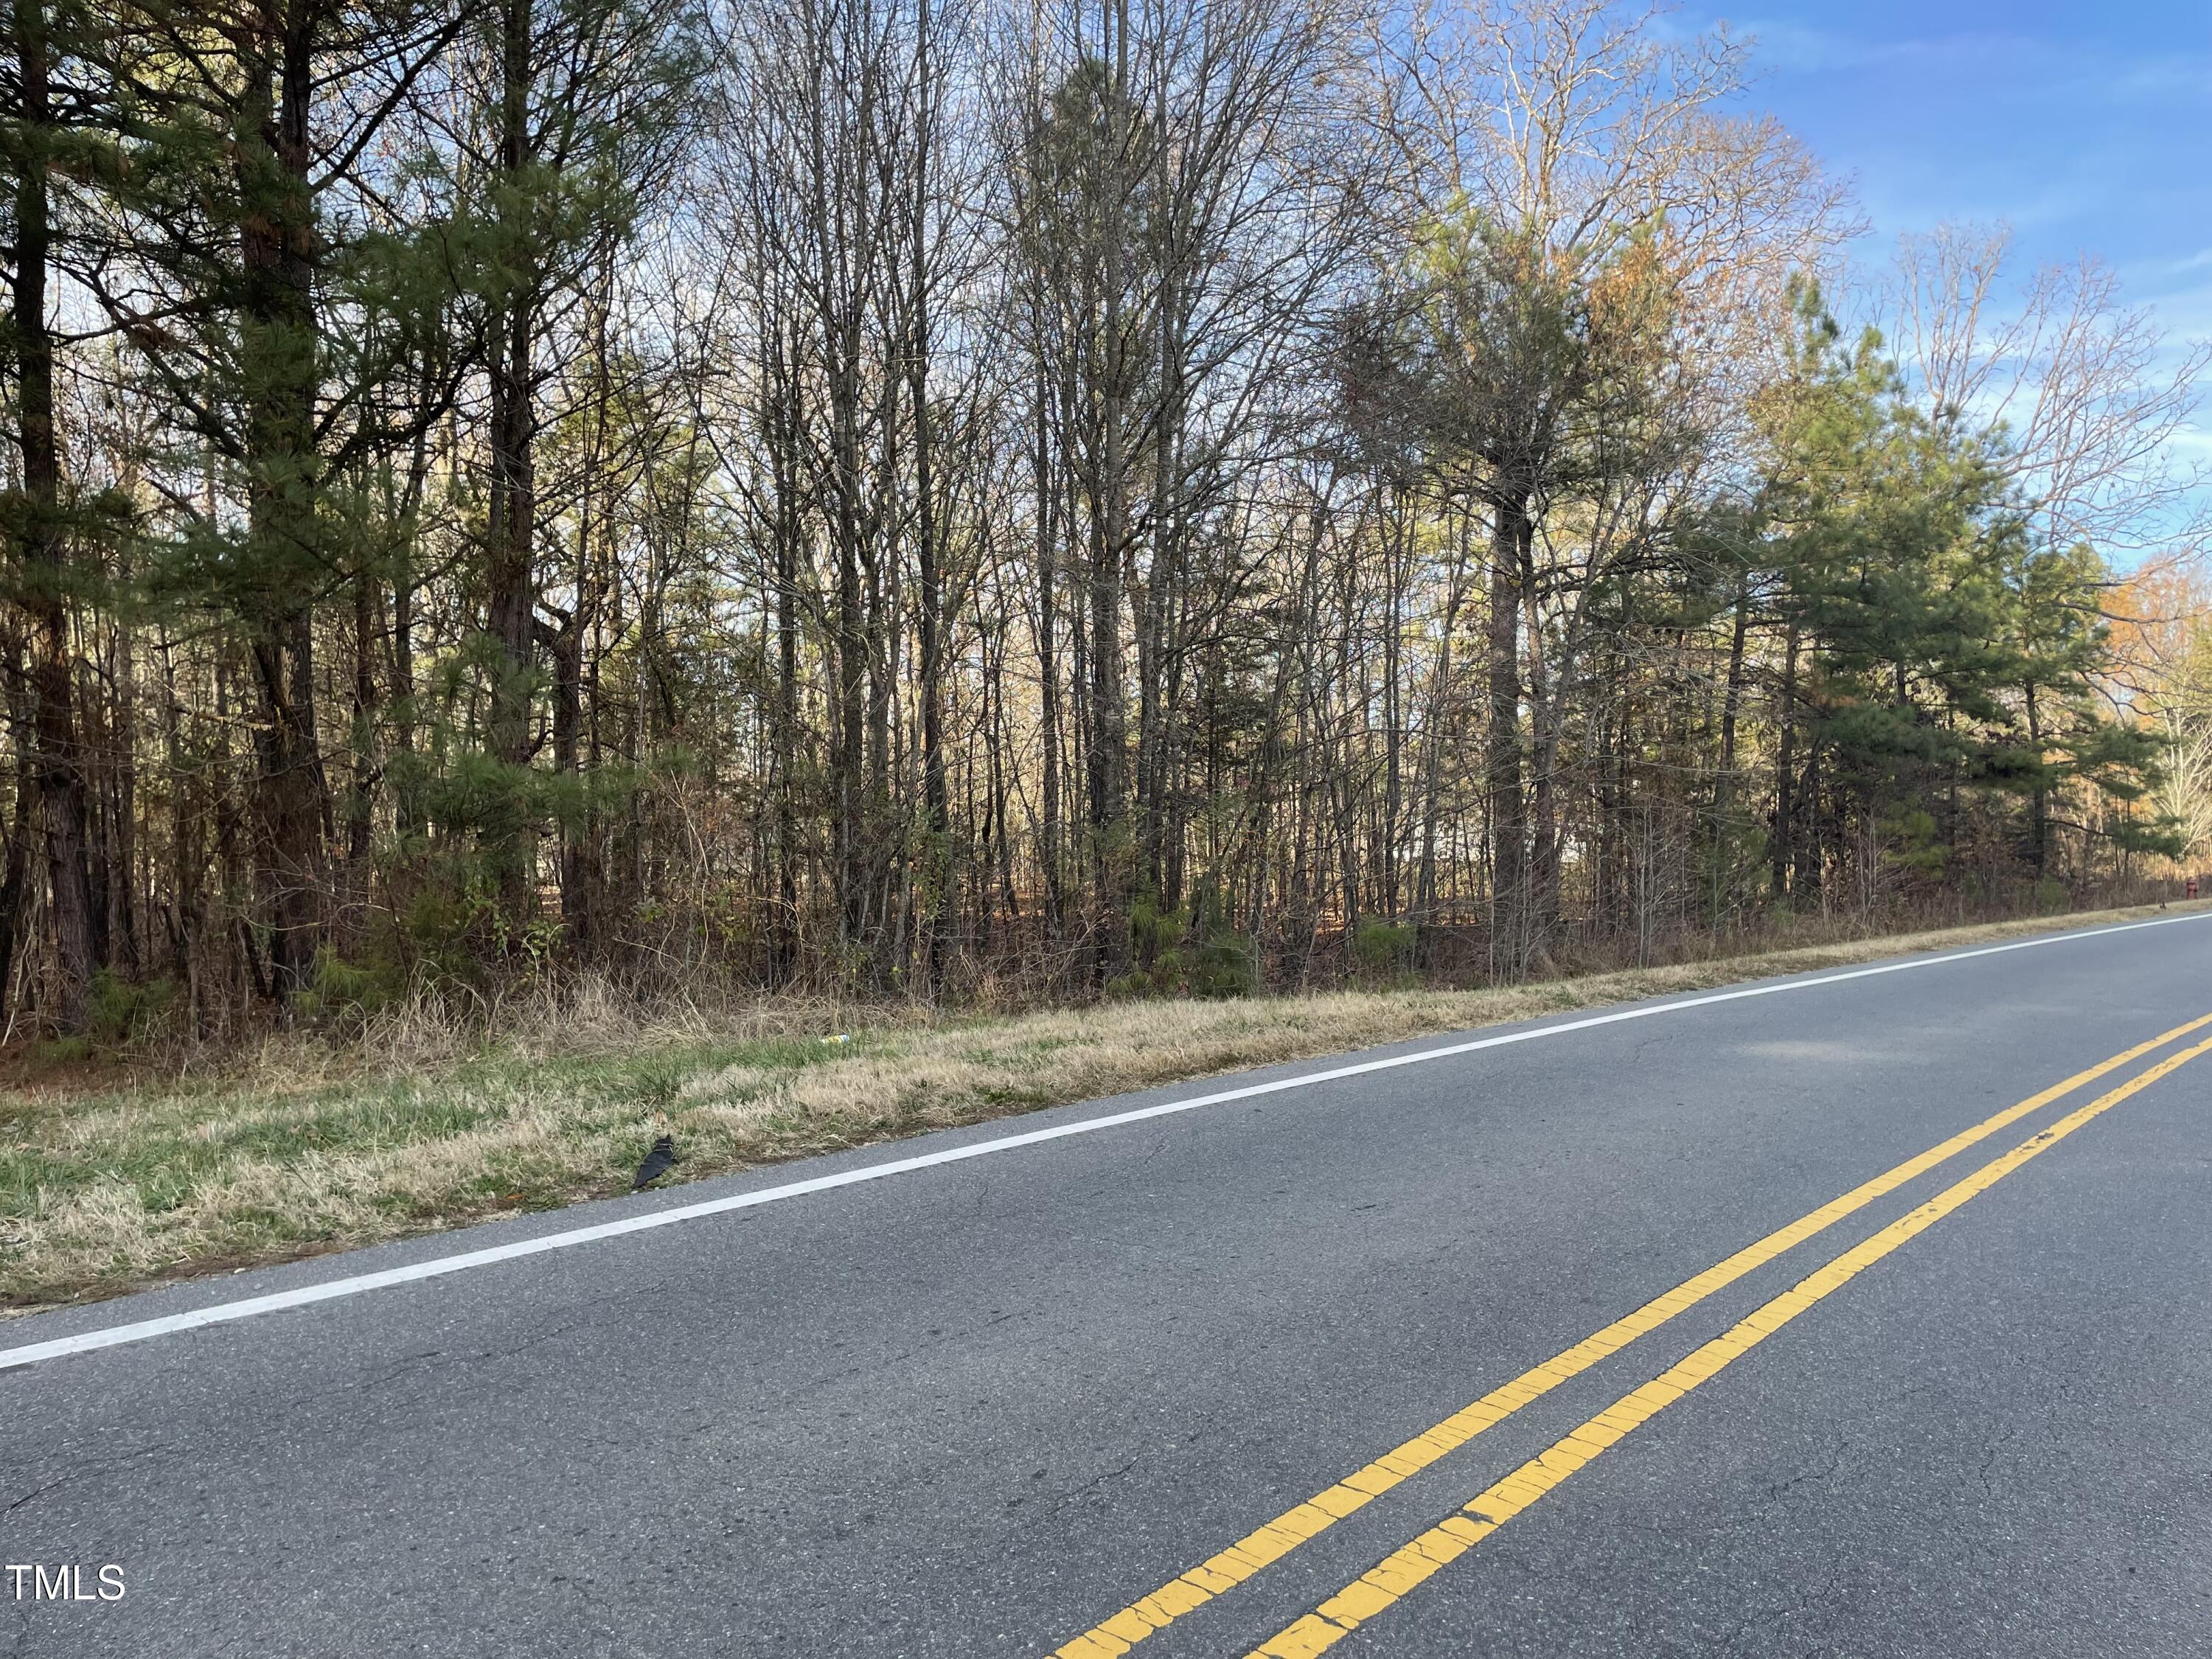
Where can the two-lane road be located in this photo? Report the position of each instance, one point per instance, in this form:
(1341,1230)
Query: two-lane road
(1869,1314)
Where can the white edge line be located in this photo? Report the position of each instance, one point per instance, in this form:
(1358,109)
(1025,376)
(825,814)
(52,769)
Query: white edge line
(222,1312)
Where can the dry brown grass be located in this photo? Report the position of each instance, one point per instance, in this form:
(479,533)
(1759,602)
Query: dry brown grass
(303,1146)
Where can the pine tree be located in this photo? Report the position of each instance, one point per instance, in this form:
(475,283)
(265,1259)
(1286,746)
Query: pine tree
(285,309)
(47,103)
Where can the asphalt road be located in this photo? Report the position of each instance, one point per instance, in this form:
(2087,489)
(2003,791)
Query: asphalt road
(978,1408)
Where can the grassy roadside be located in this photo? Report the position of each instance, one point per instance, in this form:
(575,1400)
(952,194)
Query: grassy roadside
(107,1184)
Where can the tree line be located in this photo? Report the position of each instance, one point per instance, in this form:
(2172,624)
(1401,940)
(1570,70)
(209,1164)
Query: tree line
(969,499)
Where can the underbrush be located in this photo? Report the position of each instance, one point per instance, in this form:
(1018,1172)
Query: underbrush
(440,1108)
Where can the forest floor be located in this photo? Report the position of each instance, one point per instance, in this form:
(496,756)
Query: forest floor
(114,1176)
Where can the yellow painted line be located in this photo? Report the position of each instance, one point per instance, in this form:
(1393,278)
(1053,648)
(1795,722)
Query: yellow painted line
(1280,1536)
(1401,1573)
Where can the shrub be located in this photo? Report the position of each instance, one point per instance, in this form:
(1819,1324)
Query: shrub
(122,1014)
(1383,949)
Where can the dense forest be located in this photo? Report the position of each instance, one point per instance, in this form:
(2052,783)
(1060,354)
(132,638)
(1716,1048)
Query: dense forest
(989,502)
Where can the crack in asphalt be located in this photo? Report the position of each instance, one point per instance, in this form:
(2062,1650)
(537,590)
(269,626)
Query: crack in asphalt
(1781,1490)
(96,1470)
(1091,1485)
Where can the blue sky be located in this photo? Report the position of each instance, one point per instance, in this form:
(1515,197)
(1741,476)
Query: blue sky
(2087,126)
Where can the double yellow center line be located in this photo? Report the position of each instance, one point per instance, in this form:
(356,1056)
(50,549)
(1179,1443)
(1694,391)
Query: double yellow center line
(1393,1578)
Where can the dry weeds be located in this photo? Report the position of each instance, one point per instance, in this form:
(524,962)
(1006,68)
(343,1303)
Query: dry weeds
(303,1146)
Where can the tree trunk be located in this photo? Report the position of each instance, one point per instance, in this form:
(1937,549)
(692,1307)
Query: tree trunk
(936,813)
(1049,711)
(2038,809)
(361,799)
(510,528)
(14,883)
(1509,857)
(123,925)
(1785,762)
(277,249)
(1109,755)
(42,547)
(785,460)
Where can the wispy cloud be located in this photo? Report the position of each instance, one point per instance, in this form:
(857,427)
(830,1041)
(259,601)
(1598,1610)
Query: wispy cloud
(2084,70)
(2051,127)
(1800,49)
(2084,128)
